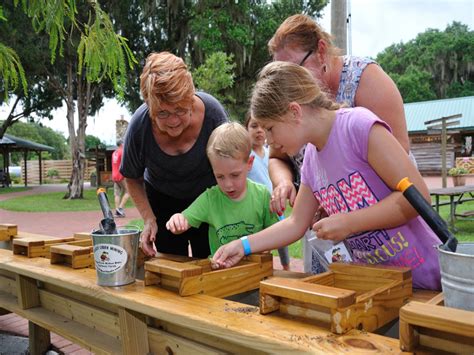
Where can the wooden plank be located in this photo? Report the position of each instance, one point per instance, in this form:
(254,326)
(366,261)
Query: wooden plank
(133,332)
(172,268)
(226,282)
(8,231)
(373,271)
(39,339)
(88,338)
(88,315)
(8,285)
(446,319)
(310,293)
(162,342)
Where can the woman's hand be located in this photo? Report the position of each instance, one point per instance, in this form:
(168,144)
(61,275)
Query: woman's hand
(334,227)
(177,224)
(147,237)
(228,255)
(282,192)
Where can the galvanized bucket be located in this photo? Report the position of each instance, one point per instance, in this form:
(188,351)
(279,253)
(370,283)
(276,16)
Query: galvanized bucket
(457,276)
(115,256)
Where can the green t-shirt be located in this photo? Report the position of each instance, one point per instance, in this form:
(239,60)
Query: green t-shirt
(228,219)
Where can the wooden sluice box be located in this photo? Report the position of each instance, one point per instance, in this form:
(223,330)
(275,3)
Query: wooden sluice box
(40,247)
(347,297)
(433,328)
(197,277)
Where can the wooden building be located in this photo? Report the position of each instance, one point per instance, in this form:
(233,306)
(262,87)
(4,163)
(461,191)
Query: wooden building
(426,146)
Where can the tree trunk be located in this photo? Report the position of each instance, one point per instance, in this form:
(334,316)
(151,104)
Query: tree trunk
(77,141)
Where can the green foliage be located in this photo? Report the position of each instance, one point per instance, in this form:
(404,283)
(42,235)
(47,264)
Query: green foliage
(40,134)
(216,75)
(457,171)
(52,173)
(104,53)
(11,71)
(92,142)
(434,65)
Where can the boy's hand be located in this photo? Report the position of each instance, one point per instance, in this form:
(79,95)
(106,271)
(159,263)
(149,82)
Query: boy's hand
(177,224)
(334,227)
(228,255)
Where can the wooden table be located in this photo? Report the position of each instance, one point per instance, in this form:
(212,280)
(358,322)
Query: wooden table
(457,195)
(135,319)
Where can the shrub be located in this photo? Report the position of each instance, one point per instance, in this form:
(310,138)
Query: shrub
(52,173)
(457,171)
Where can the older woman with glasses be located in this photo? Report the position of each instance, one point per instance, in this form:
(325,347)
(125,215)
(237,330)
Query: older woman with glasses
(351,80)
(164,159)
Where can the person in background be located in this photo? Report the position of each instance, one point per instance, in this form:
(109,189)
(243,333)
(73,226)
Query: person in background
(235,207)
(120,187)
(259,171)
(351,80)
(351,167)
(164,158)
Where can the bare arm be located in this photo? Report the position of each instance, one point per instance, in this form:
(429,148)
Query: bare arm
(379,94)
(391,163)
(282,180)
(278,235)
(136,189)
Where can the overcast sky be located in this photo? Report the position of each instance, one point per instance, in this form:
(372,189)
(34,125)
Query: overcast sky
(376,24)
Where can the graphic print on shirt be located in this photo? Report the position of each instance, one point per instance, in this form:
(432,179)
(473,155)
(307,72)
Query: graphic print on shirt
(372,247)
(233,231)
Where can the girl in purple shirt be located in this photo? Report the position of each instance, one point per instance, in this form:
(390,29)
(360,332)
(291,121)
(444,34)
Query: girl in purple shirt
(351,167)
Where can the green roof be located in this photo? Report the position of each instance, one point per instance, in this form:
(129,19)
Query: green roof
(16,143)
(418,112)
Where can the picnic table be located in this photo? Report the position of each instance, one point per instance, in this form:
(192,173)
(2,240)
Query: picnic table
(457,195)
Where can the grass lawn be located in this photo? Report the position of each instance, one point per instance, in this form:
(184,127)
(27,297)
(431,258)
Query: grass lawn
(7,190)
(54,202)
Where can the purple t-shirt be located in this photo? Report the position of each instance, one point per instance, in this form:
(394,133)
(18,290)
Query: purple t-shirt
(342,180)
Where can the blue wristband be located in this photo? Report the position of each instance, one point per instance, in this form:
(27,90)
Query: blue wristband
(246,245)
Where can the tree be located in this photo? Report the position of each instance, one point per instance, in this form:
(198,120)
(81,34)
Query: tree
(86,55)
(216,75)
(92,142)
(40,134)
(434,65)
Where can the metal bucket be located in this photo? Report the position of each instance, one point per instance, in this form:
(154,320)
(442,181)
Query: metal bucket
(115,256)
(457,276)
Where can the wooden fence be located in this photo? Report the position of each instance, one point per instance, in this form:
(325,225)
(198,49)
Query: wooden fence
(63,167)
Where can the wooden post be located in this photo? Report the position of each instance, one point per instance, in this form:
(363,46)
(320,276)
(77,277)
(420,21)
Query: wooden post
(443,153)
(39,339)
(134,332)
(25,157)
(40,168)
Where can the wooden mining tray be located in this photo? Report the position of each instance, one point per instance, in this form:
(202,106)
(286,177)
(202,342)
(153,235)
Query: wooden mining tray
(73,256)
(8,231)
(347,297)
(196,276)
(34,247)
(432,328)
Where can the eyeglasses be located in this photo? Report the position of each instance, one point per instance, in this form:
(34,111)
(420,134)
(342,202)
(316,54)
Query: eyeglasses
(306,57)
(165,114)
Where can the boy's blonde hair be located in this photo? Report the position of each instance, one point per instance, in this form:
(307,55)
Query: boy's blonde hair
(229,140)
(165,79)
(279,84)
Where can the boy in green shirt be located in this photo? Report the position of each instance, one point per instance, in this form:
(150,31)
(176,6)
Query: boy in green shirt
(235,207)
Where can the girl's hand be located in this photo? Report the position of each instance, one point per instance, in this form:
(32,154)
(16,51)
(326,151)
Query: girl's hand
(334,227)
(147,237)
(282,192)
(228,255)
(177,224)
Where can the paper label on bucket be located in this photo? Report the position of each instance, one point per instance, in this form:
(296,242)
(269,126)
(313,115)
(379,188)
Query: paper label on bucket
(109,258)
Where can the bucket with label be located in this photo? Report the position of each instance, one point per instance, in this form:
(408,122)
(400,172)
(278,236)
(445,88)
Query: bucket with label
(457,276)
(115,256)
